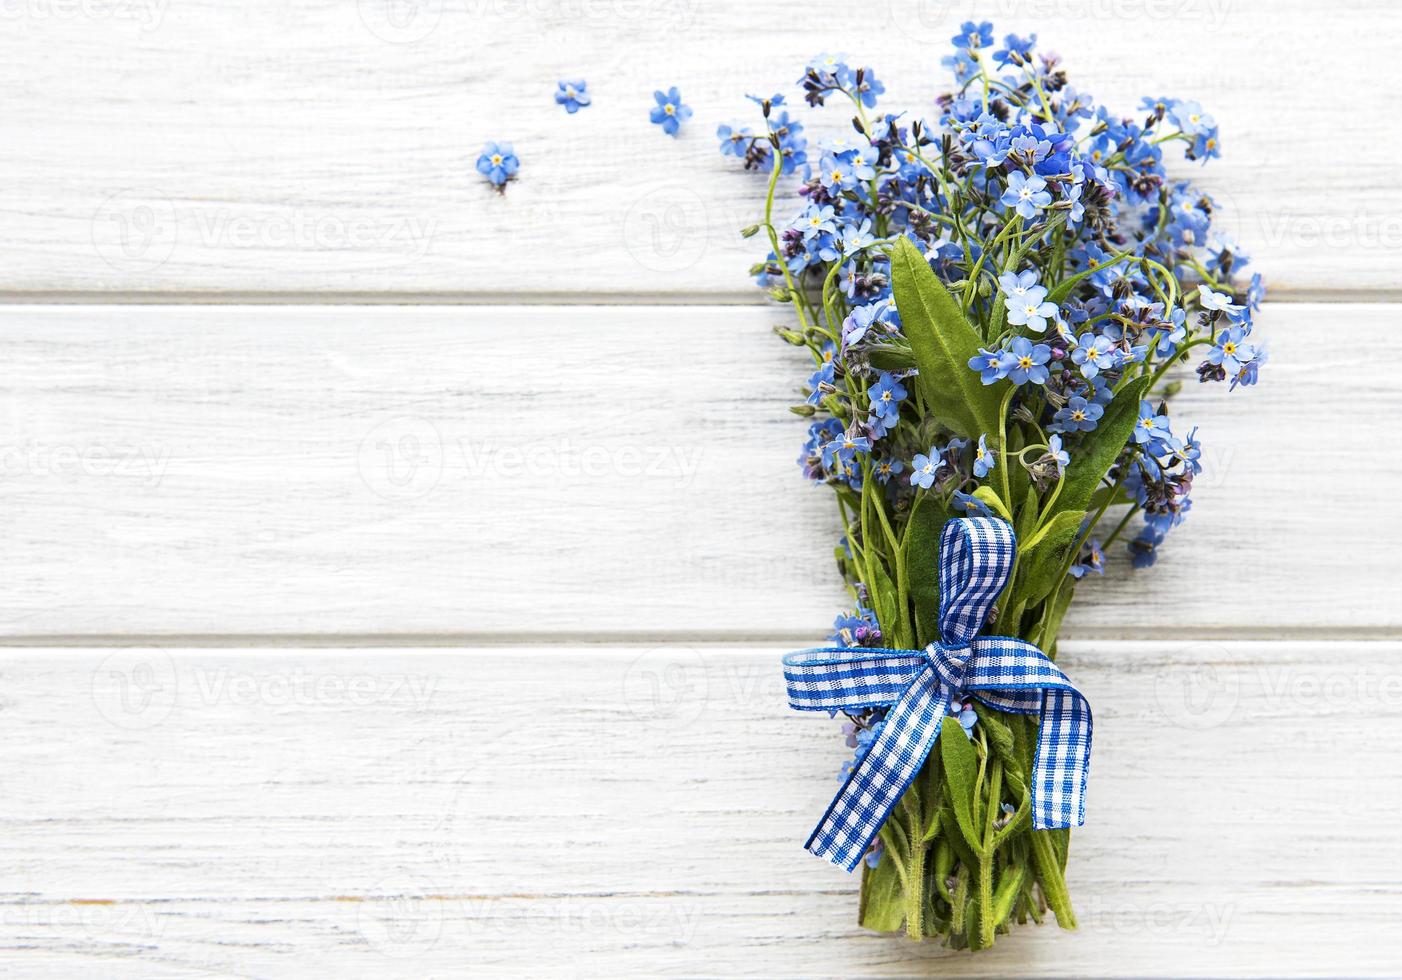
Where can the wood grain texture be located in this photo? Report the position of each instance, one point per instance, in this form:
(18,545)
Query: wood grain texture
(583,471)
(328,147)
(638,811)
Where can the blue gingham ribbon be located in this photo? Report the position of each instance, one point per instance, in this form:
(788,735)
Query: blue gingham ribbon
(1005,673)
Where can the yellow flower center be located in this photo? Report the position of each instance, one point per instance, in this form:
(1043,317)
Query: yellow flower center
(670,109)
(1024,362)
(496,159)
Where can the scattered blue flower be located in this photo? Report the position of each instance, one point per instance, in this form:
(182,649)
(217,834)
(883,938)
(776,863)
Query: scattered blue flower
(497,162)
(670,112)
(573,95)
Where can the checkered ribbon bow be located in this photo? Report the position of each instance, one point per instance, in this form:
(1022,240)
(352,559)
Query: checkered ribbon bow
(1008,674)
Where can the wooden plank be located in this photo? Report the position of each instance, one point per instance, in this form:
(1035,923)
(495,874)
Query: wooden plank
(583,471)
(328,147)
(639,809)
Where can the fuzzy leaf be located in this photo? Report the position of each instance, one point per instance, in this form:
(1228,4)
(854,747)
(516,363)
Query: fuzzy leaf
(960,778)
(882,907)
(887,602)
(922,566)
(1040,564)
(1101,447)
(994,502)
(943,342)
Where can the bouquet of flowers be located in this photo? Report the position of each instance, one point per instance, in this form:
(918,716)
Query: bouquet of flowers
(995,299)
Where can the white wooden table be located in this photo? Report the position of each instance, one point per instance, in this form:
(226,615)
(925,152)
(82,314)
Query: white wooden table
(397,572)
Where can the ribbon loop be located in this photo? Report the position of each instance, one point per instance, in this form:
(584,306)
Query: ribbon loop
(1005,673)
(976,558)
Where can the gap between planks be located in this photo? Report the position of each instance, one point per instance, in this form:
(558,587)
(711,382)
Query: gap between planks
(408,642)
(755,297)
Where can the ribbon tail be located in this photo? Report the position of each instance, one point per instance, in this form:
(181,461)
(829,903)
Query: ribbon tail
(875,785)
(1013,675)
(1063,759)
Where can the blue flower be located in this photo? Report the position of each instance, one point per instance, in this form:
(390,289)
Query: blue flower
(1059,456)
(974,36)
(1016,50)
(832,67)
(1255,292)
(970,505)
(1144,548)
(498,163)
(886,396)
(964,712)
(856,629)
(670,112)
(925,469)
(1091,559)
(1018,286)
(1026,195)
(1191,119)
(961,66)
(846,170)
(990,365)
(1231,350)
(823,375)
(1031,311)
(1094,354)
(887,468)
(817,220)
(573,95)
(1248,374)
(868,88)
(735,139)
(984,461)
(863,319)
(1078,415)
(843,450)
(1026,362)
(857,237)
(873,854)
(1151,431)
(1215,301)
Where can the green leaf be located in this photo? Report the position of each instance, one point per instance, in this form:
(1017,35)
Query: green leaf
(994,502)
(1040,564)
(882,905)
(1101,447)
(886,600)
(922,565)
(1008,889)
(1027,513)
(891,357)
(942,342)
(960,778)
